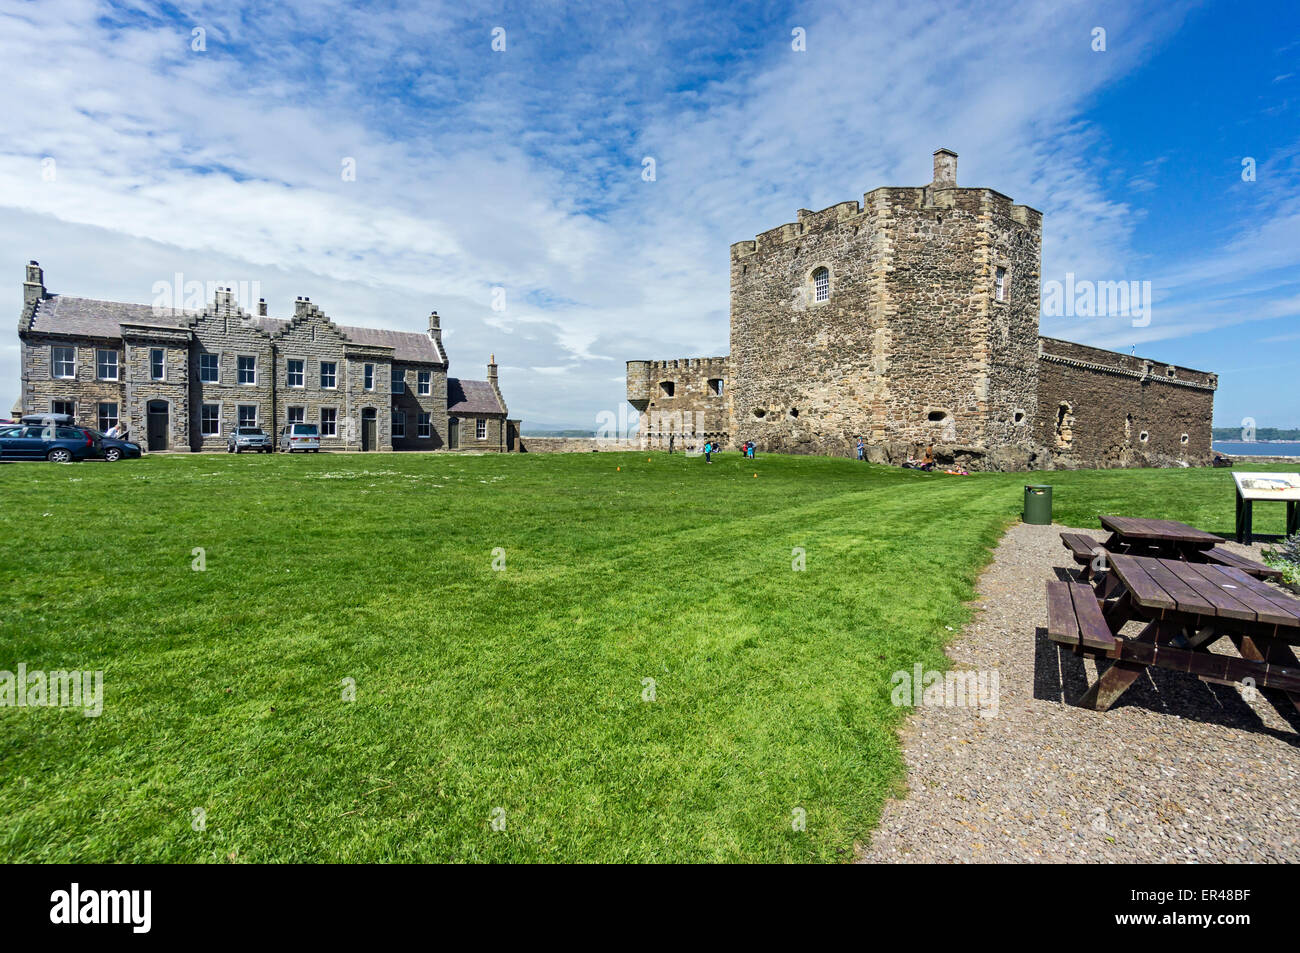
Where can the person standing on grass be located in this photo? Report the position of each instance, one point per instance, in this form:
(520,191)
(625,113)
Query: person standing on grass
(862,451)
(708,451)
(671,437)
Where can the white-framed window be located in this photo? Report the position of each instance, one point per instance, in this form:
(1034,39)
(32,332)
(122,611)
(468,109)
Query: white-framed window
(63,362)
(999,284)
(399,381)
(480,429)
(425,425)
(210,420)
(368,377)
(424,383)
(821,284)
(106,364)
(297,415)
(329,375)
(247,369)
(248,415)
(157,364)
(209,368)
(329,422)
(68,407)
(295,372)
(107,415)
(399,423)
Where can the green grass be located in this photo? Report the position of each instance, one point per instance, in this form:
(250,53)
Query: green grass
(478,689)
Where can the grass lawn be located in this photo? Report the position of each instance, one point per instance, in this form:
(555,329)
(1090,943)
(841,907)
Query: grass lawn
(479,693)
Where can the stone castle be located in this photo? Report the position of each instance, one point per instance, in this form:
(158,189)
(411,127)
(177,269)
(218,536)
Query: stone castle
(911,320)
(183,379)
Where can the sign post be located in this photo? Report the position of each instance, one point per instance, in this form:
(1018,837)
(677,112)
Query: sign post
(1278,487)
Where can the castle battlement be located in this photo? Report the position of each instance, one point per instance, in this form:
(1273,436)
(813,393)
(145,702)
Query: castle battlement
(882,201)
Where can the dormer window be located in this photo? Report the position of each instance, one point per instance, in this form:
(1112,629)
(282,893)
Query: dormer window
(821,284)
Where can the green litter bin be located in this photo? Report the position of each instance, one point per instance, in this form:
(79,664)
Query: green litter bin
(1038,505)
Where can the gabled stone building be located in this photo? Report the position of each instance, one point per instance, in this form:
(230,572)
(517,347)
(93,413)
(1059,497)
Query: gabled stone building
(909,320)
(180,380)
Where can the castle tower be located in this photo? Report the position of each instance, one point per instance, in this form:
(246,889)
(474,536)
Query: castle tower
(909,319)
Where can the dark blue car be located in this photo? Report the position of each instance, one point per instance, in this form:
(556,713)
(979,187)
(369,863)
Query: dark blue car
(53,442)
(113,449)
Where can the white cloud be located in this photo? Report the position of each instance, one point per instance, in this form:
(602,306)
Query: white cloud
(522,169)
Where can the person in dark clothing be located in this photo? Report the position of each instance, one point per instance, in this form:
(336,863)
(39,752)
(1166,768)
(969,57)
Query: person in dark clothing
(862,451)
(671,437)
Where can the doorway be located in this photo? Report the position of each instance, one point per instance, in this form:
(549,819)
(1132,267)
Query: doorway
(157,414)
(369,428)
(453,433)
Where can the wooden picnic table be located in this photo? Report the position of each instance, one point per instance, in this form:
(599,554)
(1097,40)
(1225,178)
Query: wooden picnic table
(1187,607)
(1165,538)
(1143,537)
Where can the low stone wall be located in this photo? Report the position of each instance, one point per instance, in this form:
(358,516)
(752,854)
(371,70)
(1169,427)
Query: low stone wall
(562,445)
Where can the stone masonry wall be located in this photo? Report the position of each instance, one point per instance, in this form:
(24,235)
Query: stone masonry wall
(699,405)
(1102,409)
(84,391)
(413,403)
(805,379)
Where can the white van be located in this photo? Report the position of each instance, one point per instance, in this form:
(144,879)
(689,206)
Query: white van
(302,437)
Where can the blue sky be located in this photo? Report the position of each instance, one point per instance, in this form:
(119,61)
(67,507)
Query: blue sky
(522,169)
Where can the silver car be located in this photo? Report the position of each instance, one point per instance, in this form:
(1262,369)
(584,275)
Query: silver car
(302,437)
(249,438)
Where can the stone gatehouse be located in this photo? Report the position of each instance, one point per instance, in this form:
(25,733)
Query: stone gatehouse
(909,320)
(181,380)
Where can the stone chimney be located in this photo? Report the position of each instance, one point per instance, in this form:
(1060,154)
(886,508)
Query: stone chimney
(301,307)
(435,329)
(945,169)
(492,379)
(34,285)
(225,300)
(261,307)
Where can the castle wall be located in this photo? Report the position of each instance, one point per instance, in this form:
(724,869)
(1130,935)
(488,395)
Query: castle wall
(803,368)
(1095,407)
(911,320)
(699,405)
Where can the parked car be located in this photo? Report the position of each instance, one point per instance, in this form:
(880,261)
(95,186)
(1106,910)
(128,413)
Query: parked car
(302,437)
(113,449)
(48,442)
(248,438)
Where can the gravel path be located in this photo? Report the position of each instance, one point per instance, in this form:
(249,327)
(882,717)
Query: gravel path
(1177,771)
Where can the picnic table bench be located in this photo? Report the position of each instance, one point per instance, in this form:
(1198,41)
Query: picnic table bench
(1164,538)
(1187,607)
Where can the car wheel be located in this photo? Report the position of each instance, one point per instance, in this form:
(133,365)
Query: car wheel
(229,449)
(112,454)
(59,455)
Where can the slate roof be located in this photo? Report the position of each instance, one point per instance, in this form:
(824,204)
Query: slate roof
(471,397)
(406,345)
(89,317)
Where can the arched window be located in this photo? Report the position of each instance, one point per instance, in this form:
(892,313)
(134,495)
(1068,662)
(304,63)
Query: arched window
(821,284)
